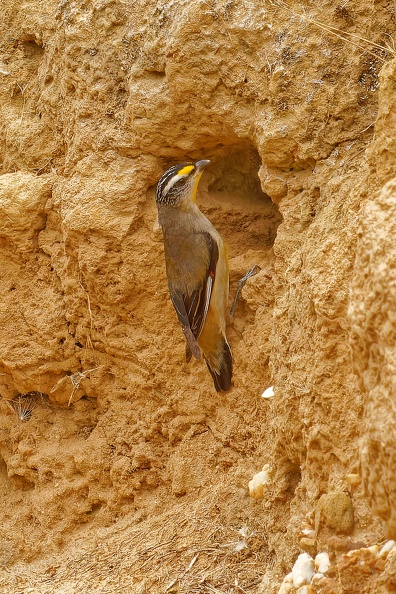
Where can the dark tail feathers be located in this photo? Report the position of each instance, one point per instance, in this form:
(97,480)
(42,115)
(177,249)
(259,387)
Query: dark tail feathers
(222,379)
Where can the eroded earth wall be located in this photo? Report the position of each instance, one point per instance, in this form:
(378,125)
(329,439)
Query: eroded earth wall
(121,468)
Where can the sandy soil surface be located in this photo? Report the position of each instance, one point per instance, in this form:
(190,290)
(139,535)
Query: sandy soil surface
(121,469)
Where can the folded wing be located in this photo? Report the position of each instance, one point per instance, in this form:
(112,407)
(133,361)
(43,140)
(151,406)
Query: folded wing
(192,308)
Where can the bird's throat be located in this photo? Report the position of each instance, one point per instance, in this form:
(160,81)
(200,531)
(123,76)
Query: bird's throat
(195,187)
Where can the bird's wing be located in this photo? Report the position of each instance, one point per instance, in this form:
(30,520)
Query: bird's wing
(192,308)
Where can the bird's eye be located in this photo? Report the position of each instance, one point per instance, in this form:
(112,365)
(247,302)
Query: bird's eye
(175,182)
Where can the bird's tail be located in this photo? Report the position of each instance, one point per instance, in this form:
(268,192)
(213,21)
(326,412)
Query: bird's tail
(222,373)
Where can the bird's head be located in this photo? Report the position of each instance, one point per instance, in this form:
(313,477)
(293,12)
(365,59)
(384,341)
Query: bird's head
(179,183)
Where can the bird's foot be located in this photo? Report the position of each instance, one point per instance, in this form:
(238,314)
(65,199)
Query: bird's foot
(252,272)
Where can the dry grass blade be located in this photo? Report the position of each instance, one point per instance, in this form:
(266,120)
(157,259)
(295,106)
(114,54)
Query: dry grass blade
(184,549)
(76,379)
(23,405)
(173,582)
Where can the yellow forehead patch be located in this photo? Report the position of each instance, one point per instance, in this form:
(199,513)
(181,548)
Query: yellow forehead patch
(186,170)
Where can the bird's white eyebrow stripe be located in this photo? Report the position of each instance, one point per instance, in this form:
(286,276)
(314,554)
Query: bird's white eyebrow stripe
(175,178)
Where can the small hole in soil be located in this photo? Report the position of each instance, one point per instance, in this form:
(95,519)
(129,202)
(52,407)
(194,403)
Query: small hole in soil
(243,214)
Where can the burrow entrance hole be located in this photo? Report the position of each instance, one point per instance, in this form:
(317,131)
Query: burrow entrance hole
(233,200)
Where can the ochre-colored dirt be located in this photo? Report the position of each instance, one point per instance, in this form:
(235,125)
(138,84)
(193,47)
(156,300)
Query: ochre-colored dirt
(121,469)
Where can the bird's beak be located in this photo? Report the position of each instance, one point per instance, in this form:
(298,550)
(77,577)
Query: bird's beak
(201,164)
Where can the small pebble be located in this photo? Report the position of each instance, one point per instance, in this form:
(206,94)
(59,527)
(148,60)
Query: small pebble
(303,570)
(258,482)
(308,532)
(322,562)
(388,546)
(286,588)
(353,479)
(308,545)
(268,393)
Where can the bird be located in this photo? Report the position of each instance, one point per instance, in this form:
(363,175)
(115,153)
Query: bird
(197,270)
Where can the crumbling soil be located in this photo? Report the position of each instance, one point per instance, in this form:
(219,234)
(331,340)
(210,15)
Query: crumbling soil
(121,469)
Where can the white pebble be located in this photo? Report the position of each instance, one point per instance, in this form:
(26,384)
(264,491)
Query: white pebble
(287,585)
(288,579)
(258,482)
(268,393)
(303,570)
(322,562)
(388,546)
(308,532)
